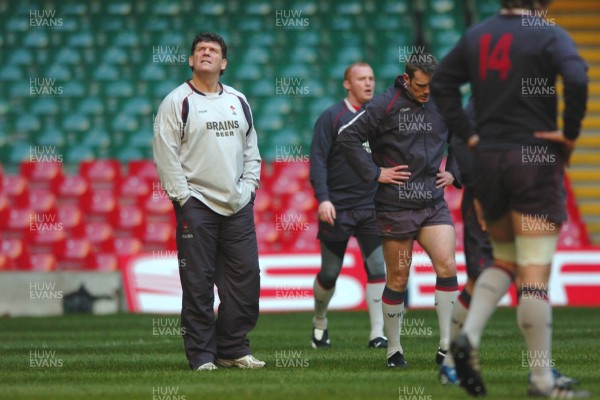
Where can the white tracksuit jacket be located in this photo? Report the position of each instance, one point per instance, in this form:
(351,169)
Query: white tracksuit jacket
(205,146)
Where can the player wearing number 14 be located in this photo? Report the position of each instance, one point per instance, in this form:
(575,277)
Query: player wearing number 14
(512,61)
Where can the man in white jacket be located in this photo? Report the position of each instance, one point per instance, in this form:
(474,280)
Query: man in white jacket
(206,153)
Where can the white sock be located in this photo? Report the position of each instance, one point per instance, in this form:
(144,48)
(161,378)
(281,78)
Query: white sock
(491,285)
(534,316)
(459,313)
(445,296)
(392,321)
(322,298)
(373,293)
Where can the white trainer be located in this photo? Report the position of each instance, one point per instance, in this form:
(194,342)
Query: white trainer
(248,361)
(206,367)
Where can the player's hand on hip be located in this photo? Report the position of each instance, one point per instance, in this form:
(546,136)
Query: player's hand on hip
(394,175)
(558,136)
(472,141)
(327,212)
(444,178)
(479,214)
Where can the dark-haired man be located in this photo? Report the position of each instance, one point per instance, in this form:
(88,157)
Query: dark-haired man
(408,139)
(206,153)
(512,61)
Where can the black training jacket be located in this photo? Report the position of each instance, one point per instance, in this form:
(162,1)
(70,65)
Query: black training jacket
(512,62)
(400,131)
(330,175)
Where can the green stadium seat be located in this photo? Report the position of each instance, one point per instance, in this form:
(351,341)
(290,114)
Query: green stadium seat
(269,122)
(108,23)
(212,8)
(67,55)
(124,123)
(166,8)
(173,39)
(20,89)
(4,108)
(10,73)
(76,153)
(138,105)
(81,39)
(163,88)
(106,72)
(115,55)
(263,87)
(123,8)
(69,25)
(91,105)
(251,23)
(17,152)
(353,7)
(153,72)
(45,106)
(257,7)
(17,24)
(486,8)
(127,39)
(304,54)
(36,38)
(79,9)
(27,123)
(155,24)
(119,89)
(130,154)
(74,88)
(59,72)
(96,138)
(20,56)
(51,136)
(398,7)
(76,123)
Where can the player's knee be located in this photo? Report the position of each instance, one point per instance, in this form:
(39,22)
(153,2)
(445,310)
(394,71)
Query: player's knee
(397,282)
(446,266)
(375,265)
(327,279)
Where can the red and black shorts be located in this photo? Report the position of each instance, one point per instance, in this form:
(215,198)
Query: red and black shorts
(405,224)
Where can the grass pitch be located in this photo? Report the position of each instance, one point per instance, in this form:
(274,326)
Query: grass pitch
(141,357)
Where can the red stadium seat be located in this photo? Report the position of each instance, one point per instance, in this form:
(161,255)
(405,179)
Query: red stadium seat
(42,201)
(100,235)
(127,246)
(453,197)
(48,240)
(76,254)
(159,236)
(128,222)
(71,189)
(99,205)
(105,262)
(158,207)
(71,218)
(144,169)
(18,223)
(3,209)
(303,201)
(15,187)
(15,251)
(133,190)
(41,263)
(44,175)
(101,174)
